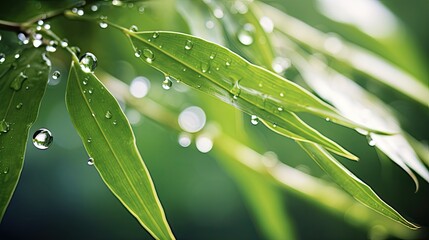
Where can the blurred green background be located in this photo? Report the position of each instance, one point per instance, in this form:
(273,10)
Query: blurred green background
(60,197)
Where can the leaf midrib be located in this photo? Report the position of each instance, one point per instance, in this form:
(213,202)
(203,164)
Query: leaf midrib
(116,158)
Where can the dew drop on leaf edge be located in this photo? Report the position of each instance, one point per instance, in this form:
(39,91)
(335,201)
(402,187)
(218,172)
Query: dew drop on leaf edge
(88,62)
(167,83)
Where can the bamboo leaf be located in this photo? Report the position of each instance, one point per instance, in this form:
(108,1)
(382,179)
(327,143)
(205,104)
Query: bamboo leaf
(352,184)
(110,142)
(22,84)
(353,56)
(223,74)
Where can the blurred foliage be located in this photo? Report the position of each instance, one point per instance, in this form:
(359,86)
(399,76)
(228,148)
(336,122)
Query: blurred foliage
(59,196)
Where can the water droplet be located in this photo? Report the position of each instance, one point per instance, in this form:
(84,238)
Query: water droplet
(103,24)
(138,53)
(254,120)
(80,12)
(139,87)
(84,82)
(16,84)
(280,65)
(246,34)
(236,90)
(56,75)
(371,141)
(185,139)
(42,139)
(23,39)
(267,24)
(37,42)
(6,170)
(47,26)
(189,45)
(327,119)
(192,119)
(205,67)
(52,46)
(2,58)
(90,161)
(4,126)
(19,106)
(228,62)
(204,144)
(134,28)
(114,122)
(218,13)
(155,35)
(108,115)
(213,55)
(89,140)
(94,8)
(88,62)
(116,3)
(280,109)
(148,54)
(64,43)
(40,22)
(167,83)
(141,9)
(274,125)
(17,56)
(282,94)
(210,24)
(91,90)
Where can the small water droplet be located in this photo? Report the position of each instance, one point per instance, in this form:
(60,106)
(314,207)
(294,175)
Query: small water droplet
(138,53)
(189,45)
(167,83)
(40,22)
(42,139)
(103,24)
(80,12)
(94,8)
(155,35)
(280,109)
(2,58)
(134,28)
(17,82)
(236,90)
(76,50)
(185,139)
(19,106)
(327,119)
(91,90)
(228,62)
(108,115)
(114,122)
(210,24)
(148,54)
(90,161)
(17,56)
(6,170)
(4,126)
(64,43)
(88,62)
(89,140)
(204,144)
(280,64)
(282,94)
(52,46)
(47,26)
(274,125)
(56,75)
(205,67)
(254,120)
(37,42)
(371,141)
(246,34)
(23,39)
(212,55)
(84,82)
(218,13)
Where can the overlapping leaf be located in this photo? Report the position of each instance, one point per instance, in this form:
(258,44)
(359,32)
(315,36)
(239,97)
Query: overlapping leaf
(110,142)
(22,84)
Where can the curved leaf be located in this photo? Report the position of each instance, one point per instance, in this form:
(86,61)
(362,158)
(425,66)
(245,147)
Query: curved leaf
(109,140)
(22,84)
(223,74)
(353,185)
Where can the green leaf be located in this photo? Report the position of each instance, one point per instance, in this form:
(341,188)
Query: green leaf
(351,55)
(22,85)
(221,73)
(109,140)
(352,184)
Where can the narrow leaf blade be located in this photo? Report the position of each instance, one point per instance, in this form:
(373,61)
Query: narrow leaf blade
(21,91)
(352,184)
(109,140)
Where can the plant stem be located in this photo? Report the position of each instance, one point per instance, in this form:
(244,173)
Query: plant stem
(10,26)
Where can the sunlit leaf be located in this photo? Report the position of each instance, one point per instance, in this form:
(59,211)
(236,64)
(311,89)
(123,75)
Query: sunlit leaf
(110,143)
(22,84)
(353,185)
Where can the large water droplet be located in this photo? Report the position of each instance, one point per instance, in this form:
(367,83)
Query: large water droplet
(254,120)
(108,115)
(189,45)
(185,139)
(246,34)
(56,75)
(148,54)
(192,119)
(139,87)
(167,83)
(42,139)
(90,161)
(88,62)
(2,58)
(4,126)
(16,84)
